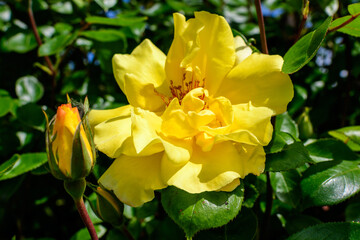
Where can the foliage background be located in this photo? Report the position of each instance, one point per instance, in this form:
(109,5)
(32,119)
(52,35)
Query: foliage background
(34,205)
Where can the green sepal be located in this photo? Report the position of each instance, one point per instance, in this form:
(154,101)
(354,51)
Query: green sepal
(75,188)
(108,206)
(53,163)
(81,161)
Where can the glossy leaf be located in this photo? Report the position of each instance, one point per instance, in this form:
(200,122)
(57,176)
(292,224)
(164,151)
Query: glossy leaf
(20,42)
(352,212)
(244,226)
(285,123)
(329,231)
(6,105)
(286,186)
(349,135)
(298,222)
(63,7)
(329,183)
(29,89)
(300,96)
(330,149)
(278,142)
(292,156)
(195,212)
(106,4)
(354,8)
(305,49)
(54,45)
(31,115)
(20,164)
(120,20)
(105,35)
(352,28)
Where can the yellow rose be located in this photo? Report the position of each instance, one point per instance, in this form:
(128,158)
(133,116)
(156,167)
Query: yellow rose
(198,118)
(69,150)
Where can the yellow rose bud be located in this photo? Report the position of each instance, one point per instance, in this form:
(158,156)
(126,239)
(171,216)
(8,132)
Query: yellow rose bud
(69,145)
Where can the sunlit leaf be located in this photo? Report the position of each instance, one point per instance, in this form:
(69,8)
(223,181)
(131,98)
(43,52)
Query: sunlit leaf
(329,231)
(349,135)
(29,89)
(305,49)
(286,187)
(55,45)
(329,183)
(195,212)
(118,21)
(20,164)
(105,35)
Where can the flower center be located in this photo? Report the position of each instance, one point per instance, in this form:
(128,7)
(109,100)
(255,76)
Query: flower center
(191,79)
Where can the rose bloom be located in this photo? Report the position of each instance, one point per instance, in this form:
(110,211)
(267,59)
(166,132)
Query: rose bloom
(198,118)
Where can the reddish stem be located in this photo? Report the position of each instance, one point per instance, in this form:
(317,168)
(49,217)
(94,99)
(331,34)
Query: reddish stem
(85,218)
(353,17)
(261,26)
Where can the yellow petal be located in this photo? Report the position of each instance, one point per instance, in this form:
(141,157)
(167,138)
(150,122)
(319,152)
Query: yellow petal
(134,179)
(140,73)
(97,116)
(145,125)
(205,43)
(175,122)
(251,125)
(110,135)
(213,170)
(242,50)
(231,186)
(178,151)
(259,79)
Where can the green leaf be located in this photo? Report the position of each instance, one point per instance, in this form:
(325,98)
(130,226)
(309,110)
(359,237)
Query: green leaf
(354,8)
(83,233)
(305,49)
(20,164)
(20,42)
(105,35)
(120,20)
(9,187)
(62,7)
(330,149)
(31,115)
(106,4)
(298,222)
(352,28)
(29,89)
(195,212)
(352,212)
(285,123)
(300,96)
(244,226)
(286,186)
(6,105)
(278,142)
(349,135)
(292,156)
(329,183)
(251,195)
(329,231)
(55,45)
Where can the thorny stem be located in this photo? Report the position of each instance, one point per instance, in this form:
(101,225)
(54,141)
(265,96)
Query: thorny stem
(353,17)
(85,218)
(261,26)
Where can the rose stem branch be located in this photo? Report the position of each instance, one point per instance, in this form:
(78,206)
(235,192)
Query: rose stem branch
(86,219)
(261,26)
(305,15)
(37,37)
(47,59)
(353,17)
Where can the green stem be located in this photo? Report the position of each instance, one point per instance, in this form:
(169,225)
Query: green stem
(261,27)
(85,218)
(353,17)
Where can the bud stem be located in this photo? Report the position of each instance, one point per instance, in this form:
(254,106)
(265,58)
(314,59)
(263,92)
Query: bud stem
(85,218)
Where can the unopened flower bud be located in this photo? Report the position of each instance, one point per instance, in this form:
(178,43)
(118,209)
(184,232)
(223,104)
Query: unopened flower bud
(306,129)
(69,145)
(108,207)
